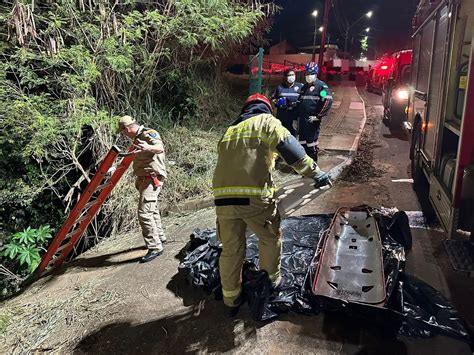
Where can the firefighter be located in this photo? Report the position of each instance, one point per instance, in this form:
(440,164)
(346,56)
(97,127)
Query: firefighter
(284,98)
(244,192)
(314,102)
(149,169)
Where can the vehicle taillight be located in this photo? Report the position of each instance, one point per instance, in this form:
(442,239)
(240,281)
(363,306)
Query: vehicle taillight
(384,67)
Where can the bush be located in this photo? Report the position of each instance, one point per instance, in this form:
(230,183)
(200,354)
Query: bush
(22,249)
(72,67)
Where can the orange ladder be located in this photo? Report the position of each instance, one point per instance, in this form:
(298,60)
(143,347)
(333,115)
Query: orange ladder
(85,209)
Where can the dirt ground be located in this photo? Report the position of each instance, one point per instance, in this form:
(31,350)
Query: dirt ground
(106,302)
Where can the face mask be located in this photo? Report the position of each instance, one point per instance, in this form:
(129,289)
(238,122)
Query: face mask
(310,78)
(291,79)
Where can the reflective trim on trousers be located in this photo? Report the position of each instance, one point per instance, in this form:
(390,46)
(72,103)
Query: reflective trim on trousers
(314,144)
(231,293)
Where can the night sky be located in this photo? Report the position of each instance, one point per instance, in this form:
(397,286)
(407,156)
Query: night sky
(390,24)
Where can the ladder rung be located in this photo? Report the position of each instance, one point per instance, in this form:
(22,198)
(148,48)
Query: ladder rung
(64,246)
(70,234)
(89,204)
(103,186)
(82,218)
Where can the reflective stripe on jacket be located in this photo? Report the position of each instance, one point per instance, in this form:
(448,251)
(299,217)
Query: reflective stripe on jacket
(315,100)
(246,158)
(291,94)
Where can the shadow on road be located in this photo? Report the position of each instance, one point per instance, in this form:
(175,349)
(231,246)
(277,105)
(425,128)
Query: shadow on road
(202,328)
(105,260)
(396,133)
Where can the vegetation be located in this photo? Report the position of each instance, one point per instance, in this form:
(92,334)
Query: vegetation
(23,247)
(70,67)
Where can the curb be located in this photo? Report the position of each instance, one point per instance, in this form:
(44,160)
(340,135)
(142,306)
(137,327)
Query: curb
(194,205)
(199,204)
(355,145)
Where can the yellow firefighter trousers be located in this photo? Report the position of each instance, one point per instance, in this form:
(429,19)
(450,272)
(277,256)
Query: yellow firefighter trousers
(231,232)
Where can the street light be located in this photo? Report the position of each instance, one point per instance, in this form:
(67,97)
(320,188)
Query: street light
(315,15)
(369,15)
(321,29)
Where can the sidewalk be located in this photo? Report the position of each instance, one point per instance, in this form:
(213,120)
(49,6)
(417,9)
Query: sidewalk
(339,138)
(341,129)
(338,142)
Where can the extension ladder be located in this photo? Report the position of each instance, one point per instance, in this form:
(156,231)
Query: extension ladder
(85,209)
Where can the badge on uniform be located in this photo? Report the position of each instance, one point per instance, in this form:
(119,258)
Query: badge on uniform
(311,88)
(152,133)
(296,88)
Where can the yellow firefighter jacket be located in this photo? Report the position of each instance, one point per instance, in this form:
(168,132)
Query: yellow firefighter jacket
(242,180)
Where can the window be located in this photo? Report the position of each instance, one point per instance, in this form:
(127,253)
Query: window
(425,57)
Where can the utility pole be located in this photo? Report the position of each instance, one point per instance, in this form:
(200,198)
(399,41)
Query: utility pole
(315,14)
(323,38)
(345,41)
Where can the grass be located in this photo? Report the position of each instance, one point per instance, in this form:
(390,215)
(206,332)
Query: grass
(5,321)
(27,324)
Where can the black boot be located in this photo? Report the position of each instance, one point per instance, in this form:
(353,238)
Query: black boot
(150,255)
(234,310)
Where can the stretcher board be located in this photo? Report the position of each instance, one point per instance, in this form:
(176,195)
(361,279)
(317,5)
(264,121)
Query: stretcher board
(351,264)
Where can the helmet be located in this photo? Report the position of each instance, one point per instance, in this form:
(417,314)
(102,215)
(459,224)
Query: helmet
(311,68)
(258,98)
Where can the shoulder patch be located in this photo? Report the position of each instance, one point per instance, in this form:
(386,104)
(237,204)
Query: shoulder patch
(152,133)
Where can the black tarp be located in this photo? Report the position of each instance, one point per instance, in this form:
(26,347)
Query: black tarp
(413,307)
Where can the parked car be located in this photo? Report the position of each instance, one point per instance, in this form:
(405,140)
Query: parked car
(395,91)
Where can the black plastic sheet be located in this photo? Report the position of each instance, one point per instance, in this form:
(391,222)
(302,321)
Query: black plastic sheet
(413,307)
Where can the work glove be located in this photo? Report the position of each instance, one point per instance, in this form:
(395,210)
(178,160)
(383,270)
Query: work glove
(322,179)
(281,102)
(313,118)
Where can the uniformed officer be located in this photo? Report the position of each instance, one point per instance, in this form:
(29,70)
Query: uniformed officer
(314,102)
(243,190)
(284,98)
(149,169)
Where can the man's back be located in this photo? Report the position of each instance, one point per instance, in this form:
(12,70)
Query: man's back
(246,158)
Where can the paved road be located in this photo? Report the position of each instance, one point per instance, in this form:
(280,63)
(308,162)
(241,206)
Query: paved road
(151,309)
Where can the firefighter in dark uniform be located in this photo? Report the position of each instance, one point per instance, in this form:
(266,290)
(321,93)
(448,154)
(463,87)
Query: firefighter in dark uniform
(150,171)
(314,102)
(284,98)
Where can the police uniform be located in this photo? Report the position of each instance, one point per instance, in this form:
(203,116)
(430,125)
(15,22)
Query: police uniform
(287,114)
(244,192)
(150,170)
(314,102)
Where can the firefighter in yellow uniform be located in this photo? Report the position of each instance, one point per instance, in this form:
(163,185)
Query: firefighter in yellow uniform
(243,191)
(150,171)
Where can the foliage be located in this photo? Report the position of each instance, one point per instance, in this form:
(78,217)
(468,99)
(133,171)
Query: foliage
(70,67)
(23,248)
(364,43)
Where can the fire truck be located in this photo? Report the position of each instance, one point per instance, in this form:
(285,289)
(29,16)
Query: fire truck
(441,110)
(379,74)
